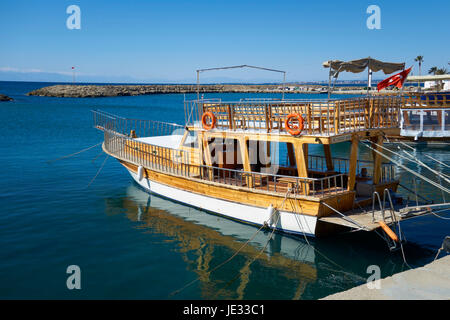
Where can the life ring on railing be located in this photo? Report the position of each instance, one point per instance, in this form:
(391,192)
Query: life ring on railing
(207,117)
(293,129)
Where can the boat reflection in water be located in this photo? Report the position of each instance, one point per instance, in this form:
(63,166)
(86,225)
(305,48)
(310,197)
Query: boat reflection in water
(290,268)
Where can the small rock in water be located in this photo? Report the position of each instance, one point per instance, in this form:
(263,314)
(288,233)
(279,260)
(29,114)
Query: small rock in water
(5,98)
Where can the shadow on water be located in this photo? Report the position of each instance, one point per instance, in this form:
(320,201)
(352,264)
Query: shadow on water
(289,268)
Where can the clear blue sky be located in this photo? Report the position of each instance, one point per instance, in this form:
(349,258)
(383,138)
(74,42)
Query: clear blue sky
(138,40)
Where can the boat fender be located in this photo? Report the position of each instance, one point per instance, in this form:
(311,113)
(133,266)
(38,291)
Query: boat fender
(270,210)
(294,130)
(271,215)
(140,173)
(388,231)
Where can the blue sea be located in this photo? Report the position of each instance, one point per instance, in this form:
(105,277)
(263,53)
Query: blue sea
(129,244)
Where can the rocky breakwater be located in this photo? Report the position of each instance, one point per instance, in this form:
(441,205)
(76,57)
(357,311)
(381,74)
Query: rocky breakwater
(5,98)
(87,91)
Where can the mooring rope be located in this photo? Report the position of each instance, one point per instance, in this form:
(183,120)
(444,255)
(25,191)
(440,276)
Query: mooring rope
(101,167)
(97,156)
(265,246)
(438,216)
(297,218)
(74,154)
(426,155)
(413,159)
(407,169)
(253,260)
(437,173)
(234,254)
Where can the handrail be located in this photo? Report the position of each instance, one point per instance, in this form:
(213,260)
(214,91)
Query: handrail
(373,205)
(322,117)
(142,128)
(176,161)
(393,217)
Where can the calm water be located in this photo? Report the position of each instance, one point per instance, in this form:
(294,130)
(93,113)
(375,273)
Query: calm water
(130,244)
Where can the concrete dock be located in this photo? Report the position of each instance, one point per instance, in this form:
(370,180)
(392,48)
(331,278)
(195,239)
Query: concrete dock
(430,282)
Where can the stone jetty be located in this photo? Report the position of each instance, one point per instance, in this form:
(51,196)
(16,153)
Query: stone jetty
(85,91)
(90,91)
(430,282)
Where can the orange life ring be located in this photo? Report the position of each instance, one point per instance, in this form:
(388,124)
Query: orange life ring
(210,115)
(293,129)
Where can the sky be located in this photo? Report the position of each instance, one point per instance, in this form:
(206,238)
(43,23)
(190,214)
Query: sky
(166,41)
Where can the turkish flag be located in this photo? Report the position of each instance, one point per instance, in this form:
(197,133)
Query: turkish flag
(395,80)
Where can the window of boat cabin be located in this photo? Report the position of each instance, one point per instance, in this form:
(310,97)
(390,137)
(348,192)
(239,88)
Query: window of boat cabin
(447,120)
(411,119)
(432,120)
(271,157)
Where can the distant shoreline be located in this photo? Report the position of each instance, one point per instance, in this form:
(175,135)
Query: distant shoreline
(91,91)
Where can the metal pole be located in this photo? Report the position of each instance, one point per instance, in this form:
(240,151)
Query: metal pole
(198,85)
(329,83)
(284,81)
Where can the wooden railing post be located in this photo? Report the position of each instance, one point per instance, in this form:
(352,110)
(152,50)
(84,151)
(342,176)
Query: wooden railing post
(353,163)
(302,165)
(246,160)
(377,159)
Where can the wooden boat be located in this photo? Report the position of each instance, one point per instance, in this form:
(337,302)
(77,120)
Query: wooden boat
(425,118)
(226,160)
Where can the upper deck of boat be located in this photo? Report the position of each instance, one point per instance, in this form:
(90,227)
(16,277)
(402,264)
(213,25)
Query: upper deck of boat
(321,118)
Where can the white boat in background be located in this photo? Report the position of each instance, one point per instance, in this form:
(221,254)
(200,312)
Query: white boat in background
(425,118)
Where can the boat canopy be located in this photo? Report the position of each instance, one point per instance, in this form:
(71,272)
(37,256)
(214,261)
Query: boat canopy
(357,66)
(428,78)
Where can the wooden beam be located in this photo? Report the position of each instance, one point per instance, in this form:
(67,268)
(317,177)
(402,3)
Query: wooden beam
(329,160)
(302,167)
(291,155)
(206,158)
(353,163)
(377,160)
(245,159)
(305,155)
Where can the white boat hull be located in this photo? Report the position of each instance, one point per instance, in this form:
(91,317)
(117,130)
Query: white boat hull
(288,222)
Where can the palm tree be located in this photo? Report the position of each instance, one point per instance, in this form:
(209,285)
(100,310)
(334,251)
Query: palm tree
(432,70)
(441,71)
(419,59)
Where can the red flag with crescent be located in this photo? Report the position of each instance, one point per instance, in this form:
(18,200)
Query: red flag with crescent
(395,80)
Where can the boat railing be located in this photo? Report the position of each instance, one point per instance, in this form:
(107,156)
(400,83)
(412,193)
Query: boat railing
(178,162)
(321,117)
(133,127)
(420,100)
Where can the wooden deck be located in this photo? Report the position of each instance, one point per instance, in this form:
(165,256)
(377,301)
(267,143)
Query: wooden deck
(368,218)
